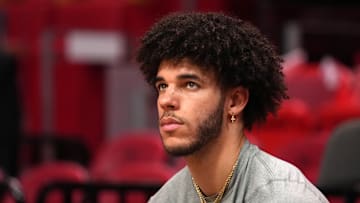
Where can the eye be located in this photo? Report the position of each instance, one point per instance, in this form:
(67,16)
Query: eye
(161,87)
(192,85)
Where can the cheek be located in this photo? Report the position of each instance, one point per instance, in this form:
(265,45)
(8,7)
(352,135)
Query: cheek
(197,114)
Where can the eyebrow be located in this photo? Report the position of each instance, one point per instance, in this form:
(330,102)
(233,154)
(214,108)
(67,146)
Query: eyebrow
(158,79)
(189,76)
(180,77)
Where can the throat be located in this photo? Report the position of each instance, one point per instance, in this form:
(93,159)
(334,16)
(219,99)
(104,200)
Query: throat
(212,171)
(219,196)
(211,198)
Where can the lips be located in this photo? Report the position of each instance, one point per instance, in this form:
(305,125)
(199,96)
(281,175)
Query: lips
(169,124)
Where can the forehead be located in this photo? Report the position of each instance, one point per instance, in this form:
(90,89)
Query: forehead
(184,67)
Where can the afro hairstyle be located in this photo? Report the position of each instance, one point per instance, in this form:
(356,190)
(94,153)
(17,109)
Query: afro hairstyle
(234,49)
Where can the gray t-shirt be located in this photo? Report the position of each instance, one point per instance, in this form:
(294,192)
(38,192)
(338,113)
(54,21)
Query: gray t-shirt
(259,177)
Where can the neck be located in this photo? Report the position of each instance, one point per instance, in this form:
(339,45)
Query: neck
(211,165)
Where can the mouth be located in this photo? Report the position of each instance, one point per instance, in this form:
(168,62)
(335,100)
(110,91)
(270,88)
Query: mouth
(169,124)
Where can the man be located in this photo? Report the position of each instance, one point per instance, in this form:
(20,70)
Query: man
(215,77)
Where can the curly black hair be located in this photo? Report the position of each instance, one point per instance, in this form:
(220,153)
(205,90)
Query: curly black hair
(234,49)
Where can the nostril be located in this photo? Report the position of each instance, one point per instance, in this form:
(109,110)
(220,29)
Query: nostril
(171,107)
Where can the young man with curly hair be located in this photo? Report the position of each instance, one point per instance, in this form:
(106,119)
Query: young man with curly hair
(215,77)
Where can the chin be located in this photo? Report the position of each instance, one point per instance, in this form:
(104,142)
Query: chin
(177,151)
(173,142)
(180,147)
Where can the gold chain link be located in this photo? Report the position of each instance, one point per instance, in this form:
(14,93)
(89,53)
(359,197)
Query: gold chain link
(222,191)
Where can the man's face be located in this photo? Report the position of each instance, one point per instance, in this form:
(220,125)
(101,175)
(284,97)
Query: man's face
(190,107)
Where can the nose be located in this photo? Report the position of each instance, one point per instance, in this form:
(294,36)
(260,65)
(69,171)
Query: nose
(168,100)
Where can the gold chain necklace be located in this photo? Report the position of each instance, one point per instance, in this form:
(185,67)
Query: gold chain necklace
(222,191)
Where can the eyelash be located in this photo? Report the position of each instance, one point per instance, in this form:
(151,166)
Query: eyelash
(161,86)
(191,85)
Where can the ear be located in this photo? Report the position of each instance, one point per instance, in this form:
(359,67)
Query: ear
(237,100)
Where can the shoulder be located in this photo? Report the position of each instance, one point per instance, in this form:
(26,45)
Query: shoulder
(275,180)
(281,191)
(178,184)
(264,168)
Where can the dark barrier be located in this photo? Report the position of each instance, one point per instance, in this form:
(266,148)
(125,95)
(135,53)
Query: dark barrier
(92,190)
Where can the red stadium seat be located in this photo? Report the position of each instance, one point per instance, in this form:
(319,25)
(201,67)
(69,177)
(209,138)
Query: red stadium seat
(317,83)
(335,113)
(306,153)
(140,172)
(135,173)
(34,179)
(144,146)
(345,106)
(292,121)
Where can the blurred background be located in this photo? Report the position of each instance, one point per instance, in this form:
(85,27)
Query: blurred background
(70,86)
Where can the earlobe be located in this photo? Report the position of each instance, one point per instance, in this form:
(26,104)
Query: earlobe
(238,99)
